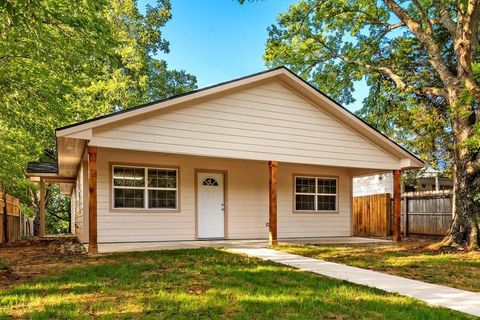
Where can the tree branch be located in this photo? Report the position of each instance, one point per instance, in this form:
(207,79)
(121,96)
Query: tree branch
(441,92)
(390,27)
(426,39)
(305,17)
(444,18)
(466,45)
(424,16)
(58,217)
(399,83)
(394,26)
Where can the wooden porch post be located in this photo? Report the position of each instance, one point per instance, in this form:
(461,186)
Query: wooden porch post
(397,184)
(41,232)
(272,217)
(92,200)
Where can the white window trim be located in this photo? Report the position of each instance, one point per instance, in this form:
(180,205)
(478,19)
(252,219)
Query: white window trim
(145,188)
(316,194)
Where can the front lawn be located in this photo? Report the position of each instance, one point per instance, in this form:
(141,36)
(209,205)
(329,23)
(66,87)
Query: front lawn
(199,284)
(415,260)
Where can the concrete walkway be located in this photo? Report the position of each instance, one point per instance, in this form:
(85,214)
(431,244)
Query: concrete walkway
(460,300)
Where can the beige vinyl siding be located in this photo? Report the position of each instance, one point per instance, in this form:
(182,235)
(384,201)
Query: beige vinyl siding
(317,224)
(262,123)
(80,205)
(73,210)
(78,202)
(247,201)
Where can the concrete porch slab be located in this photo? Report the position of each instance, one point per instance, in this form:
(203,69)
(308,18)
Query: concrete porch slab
(333,240)
(173,245)
(259,243)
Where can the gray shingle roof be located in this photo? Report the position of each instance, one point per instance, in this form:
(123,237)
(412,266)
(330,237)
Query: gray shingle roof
(42,167)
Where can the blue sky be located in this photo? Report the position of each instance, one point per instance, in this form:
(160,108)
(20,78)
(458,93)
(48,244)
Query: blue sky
(218,40)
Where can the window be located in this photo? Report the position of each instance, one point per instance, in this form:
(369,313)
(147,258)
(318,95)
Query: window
(145,188)
(315,194)
(210,182)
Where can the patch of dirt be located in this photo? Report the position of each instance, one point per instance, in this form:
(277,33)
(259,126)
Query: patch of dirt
(422,243)
(26,259)
(415,238)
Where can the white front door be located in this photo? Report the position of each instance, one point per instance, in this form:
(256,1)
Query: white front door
(211,206)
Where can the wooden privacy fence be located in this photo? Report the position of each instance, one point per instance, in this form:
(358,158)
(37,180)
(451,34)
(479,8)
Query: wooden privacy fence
(13,215)
(423,213)
(426,212)
(371,215)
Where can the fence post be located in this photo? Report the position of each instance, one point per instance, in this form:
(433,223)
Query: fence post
(397,185)
(405,223)
(6,225)
(42,209)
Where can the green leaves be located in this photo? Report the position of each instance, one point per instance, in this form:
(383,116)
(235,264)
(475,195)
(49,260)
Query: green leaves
(43,53)
(320,40)
(333,44)
(473,142)
(58,217)
(61,63)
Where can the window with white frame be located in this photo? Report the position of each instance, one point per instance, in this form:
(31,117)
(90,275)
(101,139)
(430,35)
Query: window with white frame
(315,194)
(144,187)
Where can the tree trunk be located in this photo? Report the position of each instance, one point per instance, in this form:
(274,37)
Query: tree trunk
(36,219)
(466,186)
(36,223)
(465,224)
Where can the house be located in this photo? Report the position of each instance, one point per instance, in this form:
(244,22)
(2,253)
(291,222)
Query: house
(428,180)
(264,156)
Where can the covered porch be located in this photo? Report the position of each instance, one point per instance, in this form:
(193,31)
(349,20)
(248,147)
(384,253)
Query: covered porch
(259,201)
(63,173)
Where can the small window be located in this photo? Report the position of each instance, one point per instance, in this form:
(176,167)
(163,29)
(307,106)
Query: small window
(145,188)
(315,194)
(210,182)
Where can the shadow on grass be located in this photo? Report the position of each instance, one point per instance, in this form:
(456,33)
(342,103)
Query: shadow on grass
(202,284)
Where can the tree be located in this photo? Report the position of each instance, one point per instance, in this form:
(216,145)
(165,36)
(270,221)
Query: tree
(58,207)
(420,59)
(62,62)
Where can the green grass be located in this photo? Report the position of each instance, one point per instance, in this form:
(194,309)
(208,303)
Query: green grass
(201,284)
(4,264)
(411,260)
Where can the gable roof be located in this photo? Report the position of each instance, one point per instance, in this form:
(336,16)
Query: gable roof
(281,73)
